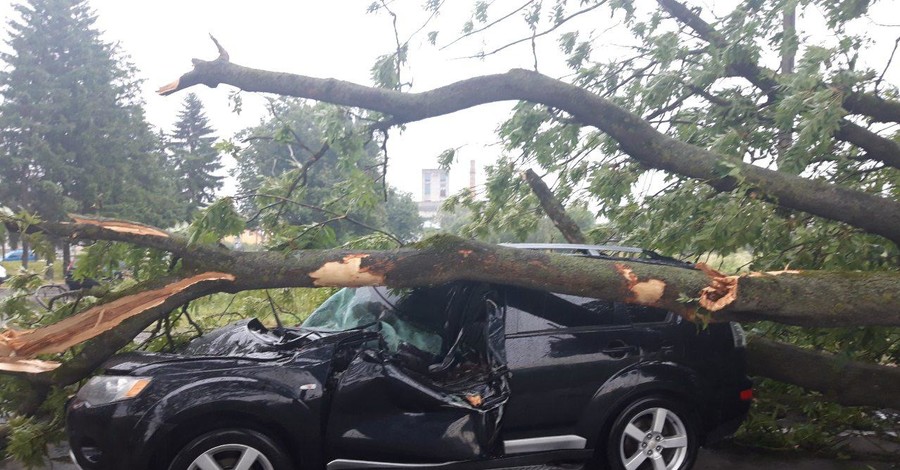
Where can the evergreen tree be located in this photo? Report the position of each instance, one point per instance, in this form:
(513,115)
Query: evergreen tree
(73,137)
(193,159)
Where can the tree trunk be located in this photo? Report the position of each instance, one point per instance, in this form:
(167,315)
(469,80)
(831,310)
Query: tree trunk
(846,382)
(66,255)
(25,249)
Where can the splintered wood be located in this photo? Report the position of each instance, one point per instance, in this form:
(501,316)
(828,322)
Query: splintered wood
(643,292)
(17,347)
(120,226)
(28,366)
(721,292)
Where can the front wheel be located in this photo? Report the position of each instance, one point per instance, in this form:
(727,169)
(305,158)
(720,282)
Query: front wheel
(231,449)
(653,434)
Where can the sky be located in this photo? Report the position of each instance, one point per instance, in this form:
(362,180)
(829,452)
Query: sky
(339,39)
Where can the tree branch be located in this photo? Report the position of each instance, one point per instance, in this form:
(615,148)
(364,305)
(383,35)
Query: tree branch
(861,103)
(16,346)
(106,343)
(636,137)
(877,147)
(553,208)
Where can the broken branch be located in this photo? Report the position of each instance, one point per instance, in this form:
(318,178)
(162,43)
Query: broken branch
(637,138)
(19,345)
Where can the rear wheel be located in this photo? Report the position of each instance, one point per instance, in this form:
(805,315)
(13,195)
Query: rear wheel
(653,434)
(231,449)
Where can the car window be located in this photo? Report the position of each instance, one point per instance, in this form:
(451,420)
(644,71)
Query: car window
(413,316)
(541,311)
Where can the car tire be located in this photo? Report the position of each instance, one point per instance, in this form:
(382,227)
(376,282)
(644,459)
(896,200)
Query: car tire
(653,433)
(227,447)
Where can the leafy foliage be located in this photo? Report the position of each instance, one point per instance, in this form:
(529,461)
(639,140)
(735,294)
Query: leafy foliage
(312,176)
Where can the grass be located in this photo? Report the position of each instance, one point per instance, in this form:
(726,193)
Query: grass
(39,266)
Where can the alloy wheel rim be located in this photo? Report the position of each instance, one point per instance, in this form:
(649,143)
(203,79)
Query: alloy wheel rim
(231,457)
(656,439)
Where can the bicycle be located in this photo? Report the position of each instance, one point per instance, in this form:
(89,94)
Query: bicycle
(48,294)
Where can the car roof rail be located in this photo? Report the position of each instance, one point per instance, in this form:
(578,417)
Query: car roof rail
(603,251)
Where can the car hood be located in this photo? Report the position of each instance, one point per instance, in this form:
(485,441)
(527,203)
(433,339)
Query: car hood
(246,342)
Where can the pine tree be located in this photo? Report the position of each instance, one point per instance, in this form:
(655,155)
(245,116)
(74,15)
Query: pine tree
(193,159)
(73,137)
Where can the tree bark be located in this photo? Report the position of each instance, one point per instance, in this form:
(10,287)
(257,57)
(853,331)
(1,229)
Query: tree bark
(66,255)
(554,209)
(637,138)
(849,383)
(886,150)
(874,107)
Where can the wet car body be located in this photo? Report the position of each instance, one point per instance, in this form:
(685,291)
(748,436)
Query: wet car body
(204,392)
(488,376)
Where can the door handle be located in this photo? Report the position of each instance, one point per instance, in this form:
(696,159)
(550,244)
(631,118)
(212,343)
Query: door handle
(617,349)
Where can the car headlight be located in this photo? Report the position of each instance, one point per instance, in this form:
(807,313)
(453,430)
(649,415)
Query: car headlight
(104,389)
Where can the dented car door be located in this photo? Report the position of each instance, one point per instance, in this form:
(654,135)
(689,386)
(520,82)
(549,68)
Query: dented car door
(431,388)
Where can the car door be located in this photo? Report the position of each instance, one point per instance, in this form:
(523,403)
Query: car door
(393,406)
(560,350)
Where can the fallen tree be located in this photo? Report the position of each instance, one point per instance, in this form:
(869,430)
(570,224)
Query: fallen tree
(792,297)
(807,298)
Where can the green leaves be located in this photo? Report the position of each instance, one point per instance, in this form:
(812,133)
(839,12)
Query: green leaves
(303,237)
(446,158)
(219,220)
(29,438)
(323,167)
(481,8)
(384,71)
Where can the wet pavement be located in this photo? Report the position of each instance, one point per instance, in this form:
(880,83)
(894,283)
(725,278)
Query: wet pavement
(709,459)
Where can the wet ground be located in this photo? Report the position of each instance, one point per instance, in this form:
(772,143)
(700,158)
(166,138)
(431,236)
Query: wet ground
(715,459)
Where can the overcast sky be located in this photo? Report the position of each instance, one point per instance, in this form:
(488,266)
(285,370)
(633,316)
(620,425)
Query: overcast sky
(339,39)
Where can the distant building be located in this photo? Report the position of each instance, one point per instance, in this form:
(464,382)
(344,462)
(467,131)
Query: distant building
(435,188)
(435,185)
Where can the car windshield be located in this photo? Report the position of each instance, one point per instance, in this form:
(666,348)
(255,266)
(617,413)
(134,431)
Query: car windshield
(397,314)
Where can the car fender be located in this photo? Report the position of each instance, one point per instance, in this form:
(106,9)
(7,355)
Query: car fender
(228,399)
(658,377)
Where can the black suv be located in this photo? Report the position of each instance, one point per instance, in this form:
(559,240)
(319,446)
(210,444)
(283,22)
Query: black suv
(462,376)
